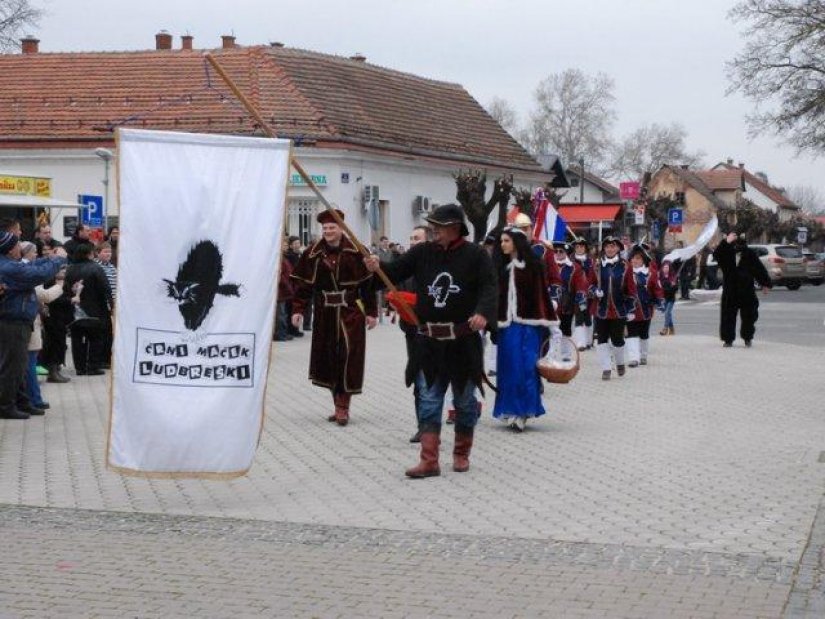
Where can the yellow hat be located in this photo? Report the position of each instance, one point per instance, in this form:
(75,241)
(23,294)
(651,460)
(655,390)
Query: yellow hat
(522,221)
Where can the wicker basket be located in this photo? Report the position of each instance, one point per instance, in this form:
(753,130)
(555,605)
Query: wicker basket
(553,370)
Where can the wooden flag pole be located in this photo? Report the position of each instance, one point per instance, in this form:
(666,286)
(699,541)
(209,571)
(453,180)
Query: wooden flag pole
(307,179)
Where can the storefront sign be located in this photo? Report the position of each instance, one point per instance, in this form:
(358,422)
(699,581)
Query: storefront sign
(296,180)
(28,185)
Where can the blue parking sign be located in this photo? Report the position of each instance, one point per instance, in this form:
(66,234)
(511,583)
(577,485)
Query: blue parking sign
(92,215)
(675,216)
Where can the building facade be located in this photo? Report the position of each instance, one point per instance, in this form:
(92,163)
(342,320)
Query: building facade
(382,145)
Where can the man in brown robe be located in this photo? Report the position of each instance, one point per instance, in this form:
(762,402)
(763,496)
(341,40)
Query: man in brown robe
(331,275)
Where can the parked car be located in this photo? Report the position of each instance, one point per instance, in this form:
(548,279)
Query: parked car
(785,264)
(814,267)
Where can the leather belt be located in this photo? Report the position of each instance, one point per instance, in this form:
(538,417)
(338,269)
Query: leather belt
(337,298)
(445,330)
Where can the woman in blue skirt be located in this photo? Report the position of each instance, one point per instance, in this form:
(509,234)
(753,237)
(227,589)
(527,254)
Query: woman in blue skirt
(525,314)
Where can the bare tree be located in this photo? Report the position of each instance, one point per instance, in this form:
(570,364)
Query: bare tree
(573,118)
(15,15)
(504,114)
(647,148)
(808,198)
(782,69)
(471,187)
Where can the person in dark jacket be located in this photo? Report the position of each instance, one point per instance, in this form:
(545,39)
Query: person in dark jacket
(95,301)
(18,308)
(456,294)
(670,285)
(80,237)
(740,268)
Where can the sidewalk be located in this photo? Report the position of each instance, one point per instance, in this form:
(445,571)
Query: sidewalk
(696,477)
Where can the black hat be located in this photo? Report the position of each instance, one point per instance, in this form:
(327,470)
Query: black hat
(580,240)
(447,215)
(567,247)
(612,239)
(639,248)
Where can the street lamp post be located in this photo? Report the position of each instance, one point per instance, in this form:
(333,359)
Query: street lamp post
(581,180)
(107,156)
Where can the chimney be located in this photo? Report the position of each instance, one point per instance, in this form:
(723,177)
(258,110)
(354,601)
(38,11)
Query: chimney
(186,41)
(29,44)
(730,161)
(276,44)
(228,41)
(358,57)
(741,166)
(163,40)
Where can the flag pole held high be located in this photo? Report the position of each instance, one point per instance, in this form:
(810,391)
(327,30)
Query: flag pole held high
(253,111)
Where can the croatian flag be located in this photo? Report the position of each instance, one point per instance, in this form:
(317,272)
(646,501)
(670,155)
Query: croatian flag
(549,226)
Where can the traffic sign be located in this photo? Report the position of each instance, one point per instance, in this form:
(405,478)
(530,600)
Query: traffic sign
(675,229)
(629,190)
(93,214)
(802,235)
(675,216)
(655,231)
(639,212)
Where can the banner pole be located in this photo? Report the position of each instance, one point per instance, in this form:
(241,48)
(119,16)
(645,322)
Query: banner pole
(253,111)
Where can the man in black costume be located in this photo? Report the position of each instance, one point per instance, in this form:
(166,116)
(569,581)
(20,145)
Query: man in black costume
(740,267)
(456,295)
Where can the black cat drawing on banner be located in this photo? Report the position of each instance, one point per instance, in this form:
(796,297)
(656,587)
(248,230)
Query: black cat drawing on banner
(198,282)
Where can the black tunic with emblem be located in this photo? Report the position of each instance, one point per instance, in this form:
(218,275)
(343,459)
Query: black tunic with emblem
(451,285)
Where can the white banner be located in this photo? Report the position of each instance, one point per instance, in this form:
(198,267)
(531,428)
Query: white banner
(201,220)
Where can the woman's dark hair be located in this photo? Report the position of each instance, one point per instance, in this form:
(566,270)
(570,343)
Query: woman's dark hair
(523,251)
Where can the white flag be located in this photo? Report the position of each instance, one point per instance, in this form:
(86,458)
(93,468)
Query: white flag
(201,220)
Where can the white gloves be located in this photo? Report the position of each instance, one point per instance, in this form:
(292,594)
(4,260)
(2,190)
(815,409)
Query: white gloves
(631,317)
(599,293)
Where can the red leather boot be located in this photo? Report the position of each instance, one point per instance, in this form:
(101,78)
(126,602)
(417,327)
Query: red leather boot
(428,466)
(461,448)
(341,415)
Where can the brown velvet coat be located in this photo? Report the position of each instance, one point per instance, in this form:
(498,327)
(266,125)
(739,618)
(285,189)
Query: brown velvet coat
(338,333)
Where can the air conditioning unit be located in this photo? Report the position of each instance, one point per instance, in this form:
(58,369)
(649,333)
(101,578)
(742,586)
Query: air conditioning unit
(370,196)
(421,205)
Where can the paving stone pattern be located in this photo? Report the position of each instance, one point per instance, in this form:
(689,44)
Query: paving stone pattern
(696,475)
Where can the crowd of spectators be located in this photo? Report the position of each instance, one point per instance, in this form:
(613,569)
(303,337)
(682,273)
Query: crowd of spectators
(50,293)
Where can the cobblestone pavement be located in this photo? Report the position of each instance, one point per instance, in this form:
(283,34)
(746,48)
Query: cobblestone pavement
(689,487)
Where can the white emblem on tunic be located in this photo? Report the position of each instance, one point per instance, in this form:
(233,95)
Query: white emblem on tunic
(441,288)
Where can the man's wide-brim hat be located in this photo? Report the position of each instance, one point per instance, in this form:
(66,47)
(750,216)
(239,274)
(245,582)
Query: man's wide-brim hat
(639,248)
(580,240)
(567,247)
(326,217)
(448,215)
(612,239)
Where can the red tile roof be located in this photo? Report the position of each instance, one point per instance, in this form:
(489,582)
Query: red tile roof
(311,97)
(761,186)
(722,180)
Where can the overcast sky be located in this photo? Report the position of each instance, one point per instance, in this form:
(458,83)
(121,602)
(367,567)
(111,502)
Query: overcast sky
(666,56)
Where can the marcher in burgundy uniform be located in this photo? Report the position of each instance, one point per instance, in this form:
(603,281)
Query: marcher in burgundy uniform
(583,330)
(331,275)
(649,294)
(455,287)
(616,293)
(571,295)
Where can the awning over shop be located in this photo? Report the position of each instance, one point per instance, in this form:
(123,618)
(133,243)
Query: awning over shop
(13,200)
(589,213)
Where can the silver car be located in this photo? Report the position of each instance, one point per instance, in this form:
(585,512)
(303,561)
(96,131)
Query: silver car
(785,264)
(814,267)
